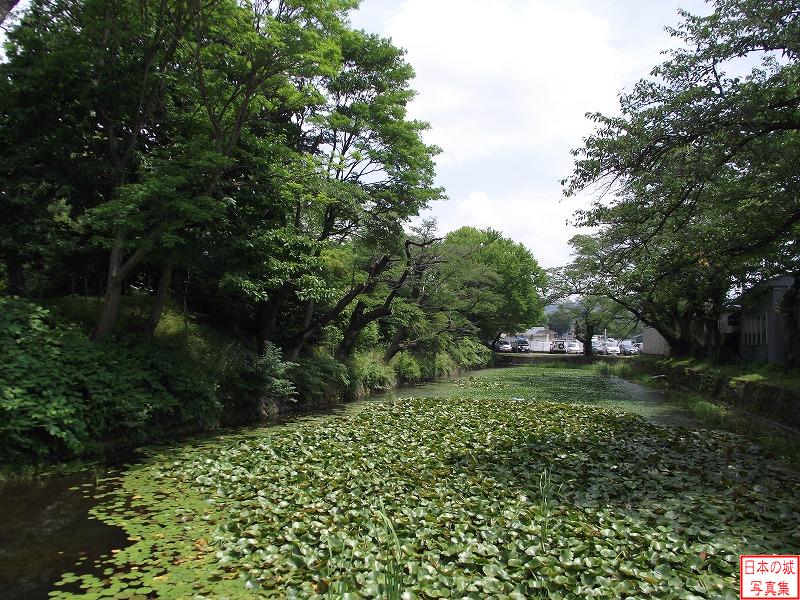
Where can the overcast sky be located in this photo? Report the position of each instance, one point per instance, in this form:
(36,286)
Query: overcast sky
(505,85)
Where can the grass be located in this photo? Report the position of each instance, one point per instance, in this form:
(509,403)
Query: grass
(768,374)
(513,483)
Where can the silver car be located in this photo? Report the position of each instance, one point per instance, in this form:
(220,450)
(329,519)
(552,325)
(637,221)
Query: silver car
(607,347)
(575,347)
(503,346)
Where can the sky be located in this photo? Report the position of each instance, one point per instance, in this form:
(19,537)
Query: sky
(505,86)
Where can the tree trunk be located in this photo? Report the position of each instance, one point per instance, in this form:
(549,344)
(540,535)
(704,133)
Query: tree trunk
(108,316)
(162,293)
(117,272)
(396,344)
(680,343)
(268,318)
(16,275)
(293,353)
(346,346)
(299,341)
(6,6)
(679,348)
(587,345)
(791,328)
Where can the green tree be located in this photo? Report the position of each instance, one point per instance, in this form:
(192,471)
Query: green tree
(517,280)
(373,173)
(698,174)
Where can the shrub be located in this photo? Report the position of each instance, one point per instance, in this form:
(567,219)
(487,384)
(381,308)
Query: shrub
(470,354)
(369,373)
(438,366)
(318,378)
(64,396)
(369,337)
(250,382)
(406,368)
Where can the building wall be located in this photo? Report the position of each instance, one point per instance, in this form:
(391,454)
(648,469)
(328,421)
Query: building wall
(761,337)
(653,343)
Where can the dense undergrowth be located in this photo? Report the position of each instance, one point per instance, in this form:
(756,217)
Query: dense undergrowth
(65,397)
(522,483)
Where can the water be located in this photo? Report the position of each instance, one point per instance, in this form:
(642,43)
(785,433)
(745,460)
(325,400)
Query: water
(45,526)
(45,529)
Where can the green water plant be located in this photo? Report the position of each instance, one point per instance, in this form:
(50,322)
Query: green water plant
(463,496)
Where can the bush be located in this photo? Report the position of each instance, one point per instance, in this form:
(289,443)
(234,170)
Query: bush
(178,333)
(438,366)
(64,396)
(319,378)
(470,354)
(406,368)
(369,374)
(250,382)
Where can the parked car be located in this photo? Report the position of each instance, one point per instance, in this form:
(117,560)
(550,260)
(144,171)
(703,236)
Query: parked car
(575,347)
(522,345)
(558,346)
(628,348)
(503,346)
(610,347)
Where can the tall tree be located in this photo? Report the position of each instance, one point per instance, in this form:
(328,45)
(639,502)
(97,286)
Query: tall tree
(519,281)
(698,176)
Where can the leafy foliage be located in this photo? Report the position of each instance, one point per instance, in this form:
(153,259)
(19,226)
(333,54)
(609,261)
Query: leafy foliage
(256,164)
(696,180)
(507,271)
(406,368)
(249,381)
(319,377)
(470,354)
(64,396)
(369,373)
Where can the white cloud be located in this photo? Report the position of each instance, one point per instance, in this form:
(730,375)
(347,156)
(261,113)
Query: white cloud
(508,76)
(536,218)
(505,85)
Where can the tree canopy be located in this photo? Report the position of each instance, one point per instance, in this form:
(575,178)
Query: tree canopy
(696,179)
(254,161)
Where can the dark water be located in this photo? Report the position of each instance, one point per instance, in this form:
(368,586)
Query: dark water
(45,529)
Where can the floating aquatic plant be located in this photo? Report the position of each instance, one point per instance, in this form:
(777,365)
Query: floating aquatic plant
(449,497)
